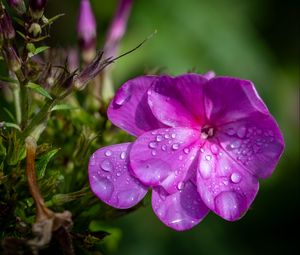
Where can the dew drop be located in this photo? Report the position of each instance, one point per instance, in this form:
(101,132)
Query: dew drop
(153,152)
(235,145)
(159,138)
(164,147)
(202,150)
(106,165)
(103,187)
(208,157)
(186,150)
(128,198)
(118,174)
(108,153)
(123,155)
(175,146)
(123,96)
(214,149)
(180,185)
(235,177)
(241,132)
(173,135)
(167,136)
(152,145)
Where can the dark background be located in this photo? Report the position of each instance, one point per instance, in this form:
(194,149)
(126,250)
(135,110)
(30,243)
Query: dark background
(256,40)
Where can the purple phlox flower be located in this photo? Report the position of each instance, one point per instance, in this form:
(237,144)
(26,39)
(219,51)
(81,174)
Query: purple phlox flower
(18,6)
(86,26)
(117,27)
(202,144)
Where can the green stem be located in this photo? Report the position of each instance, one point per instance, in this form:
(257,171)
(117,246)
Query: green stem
(39,118)
(16,95)
(24,100)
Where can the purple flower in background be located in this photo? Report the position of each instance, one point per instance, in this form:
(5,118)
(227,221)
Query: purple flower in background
(117,28)
(37,7)
(202,144)
(86,26)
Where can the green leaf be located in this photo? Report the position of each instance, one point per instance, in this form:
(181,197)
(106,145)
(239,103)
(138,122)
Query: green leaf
(43,162)
(8,79)
(19,21)
(9,114)
(39,89)
(38,50)
(11,125)
(21,34)
(51,20)
(62,107)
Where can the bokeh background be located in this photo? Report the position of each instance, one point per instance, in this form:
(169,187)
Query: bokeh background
(256,40)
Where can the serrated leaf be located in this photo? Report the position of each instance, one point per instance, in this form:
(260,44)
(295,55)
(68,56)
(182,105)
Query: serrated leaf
(39,89)
(43,162)
(62,107)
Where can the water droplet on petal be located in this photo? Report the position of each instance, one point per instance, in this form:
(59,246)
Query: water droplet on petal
(108,153)
(167,136)
(164,147)
(152,145)
(186,150)
(175,146)
(173,135)
(208,157)
(106,165)
(235,177)
(202,150)
(123,155)
(159,138)
(241,132)
(235,144)
(180,185)
(128,198)
(214,149)
(103,187)
(153,152)
(205,169)
(123,96)
(118,174)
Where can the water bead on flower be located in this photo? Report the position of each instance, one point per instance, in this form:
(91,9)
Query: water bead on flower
(201,145)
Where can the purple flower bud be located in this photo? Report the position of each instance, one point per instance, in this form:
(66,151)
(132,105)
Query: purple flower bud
(36,8)
(86,26)
(7,30)
(117,28)
(11,57)
(18,6)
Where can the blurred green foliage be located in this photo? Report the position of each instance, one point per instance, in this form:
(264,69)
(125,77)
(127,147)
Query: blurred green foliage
(255,40)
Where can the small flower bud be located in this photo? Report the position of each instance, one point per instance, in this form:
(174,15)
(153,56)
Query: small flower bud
(36,8)
(18,6)
(7,30)
(12,58)
(35,29)
(86,28)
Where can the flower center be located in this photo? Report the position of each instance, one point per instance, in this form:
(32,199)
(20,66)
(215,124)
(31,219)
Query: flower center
(207,132)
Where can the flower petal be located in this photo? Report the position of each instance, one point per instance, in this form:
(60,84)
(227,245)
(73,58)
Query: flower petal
(229,99)
(177,101)
(163,157)
(110,178)
(256,142)
(181,210)
(129,110)
(225,186)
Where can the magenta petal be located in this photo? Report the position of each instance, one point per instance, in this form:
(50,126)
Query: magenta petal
(110,178)
(163,157)
(255,142)
(129,110)
(181,210)
(177,101)
(229,99)
(225,186)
